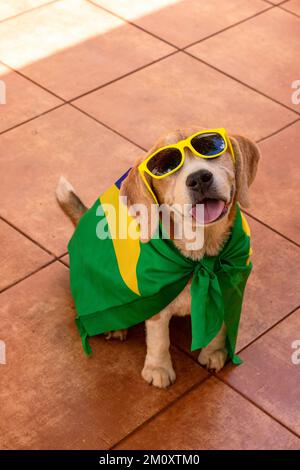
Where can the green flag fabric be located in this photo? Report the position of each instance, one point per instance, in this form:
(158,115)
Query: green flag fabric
(117,283)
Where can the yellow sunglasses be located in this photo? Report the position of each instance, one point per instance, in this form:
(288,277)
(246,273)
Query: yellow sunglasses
(210,143)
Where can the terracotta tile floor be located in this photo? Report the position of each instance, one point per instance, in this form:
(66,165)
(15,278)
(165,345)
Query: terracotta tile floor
(89,86)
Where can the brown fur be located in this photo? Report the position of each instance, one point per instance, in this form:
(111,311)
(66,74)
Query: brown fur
(247,156)
(233,182)
(69,201)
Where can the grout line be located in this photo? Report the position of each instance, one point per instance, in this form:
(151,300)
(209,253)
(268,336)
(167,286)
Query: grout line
(28,275)
(241,83)
(275,4)
(229,27)
(136,25)
(216,376)
(17,71)
(191,389)
(271,3)
(32,118)
(271,228)
(62,262)
(122,76)
(131,23)
(288,11)
(281,3)
(81,111)
(259,407)
(107,127)
(70,102)
(28,11)
(143,67)
(183,49)
(181,349)
(268,329)
(194,359)
(27,236)
(194,386)
(278,131)
(162,410)
(177,49)
(143,149)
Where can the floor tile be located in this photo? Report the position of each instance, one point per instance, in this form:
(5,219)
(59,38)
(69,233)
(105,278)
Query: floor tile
(63,142)
(292,6)
(275,2)
(65,260)
(179,91)
(275,193)
(272,290)
(268,376)
(10,8)
(212,416)
(72,46)
(184,22)
(24,100)
(56,397)
(270,63)
(19,256)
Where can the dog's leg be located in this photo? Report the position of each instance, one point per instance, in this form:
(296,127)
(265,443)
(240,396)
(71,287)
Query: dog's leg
(158,369)
(215,354)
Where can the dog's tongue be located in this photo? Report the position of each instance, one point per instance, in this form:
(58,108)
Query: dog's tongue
(213,208)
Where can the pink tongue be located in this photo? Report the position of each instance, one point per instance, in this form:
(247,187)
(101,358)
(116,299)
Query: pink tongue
(213,208)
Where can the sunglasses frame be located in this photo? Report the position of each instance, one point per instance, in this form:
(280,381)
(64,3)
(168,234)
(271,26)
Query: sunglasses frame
(181,145)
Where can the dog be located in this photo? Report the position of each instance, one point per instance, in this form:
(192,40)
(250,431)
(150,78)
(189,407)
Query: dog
(197,181)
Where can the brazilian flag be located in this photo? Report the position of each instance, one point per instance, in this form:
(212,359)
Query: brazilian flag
(118,282)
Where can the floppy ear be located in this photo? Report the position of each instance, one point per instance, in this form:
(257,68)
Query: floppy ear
(140,202)
(247,156)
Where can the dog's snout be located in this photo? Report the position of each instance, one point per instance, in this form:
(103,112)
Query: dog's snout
(200,180)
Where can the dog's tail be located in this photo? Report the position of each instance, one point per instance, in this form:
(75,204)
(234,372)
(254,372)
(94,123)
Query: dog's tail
(69,201)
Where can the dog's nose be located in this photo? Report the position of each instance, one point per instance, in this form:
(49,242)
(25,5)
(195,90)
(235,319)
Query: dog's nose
(201,179)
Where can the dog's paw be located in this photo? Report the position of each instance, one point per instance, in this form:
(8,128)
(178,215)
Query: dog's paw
(117,334)
(213,360)
(160,377)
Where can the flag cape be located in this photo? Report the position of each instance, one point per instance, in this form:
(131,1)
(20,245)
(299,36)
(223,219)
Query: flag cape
(118,283)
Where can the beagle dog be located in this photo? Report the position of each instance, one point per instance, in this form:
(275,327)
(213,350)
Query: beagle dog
(229,180)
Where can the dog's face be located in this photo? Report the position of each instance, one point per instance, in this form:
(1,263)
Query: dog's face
(210,182)
(217,183)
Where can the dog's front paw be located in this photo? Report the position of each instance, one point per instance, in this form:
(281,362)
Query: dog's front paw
(117,334)
(213,360)
(159,376)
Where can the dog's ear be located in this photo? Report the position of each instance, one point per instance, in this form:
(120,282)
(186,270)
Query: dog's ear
(140,202)
(247,156)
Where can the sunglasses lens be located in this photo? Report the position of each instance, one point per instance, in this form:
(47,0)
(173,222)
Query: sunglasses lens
(208,144)
(164,162)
